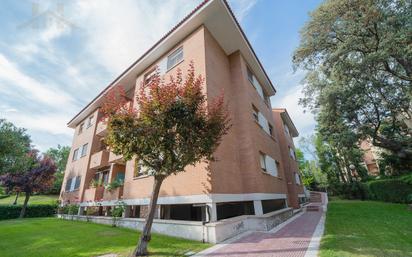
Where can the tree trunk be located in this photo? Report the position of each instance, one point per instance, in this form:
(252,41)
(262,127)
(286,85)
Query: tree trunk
(141,249)
(17,196)
(23,209)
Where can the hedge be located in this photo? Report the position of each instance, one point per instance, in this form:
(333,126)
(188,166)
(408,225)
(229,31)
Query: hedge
(40,210)
(390,190)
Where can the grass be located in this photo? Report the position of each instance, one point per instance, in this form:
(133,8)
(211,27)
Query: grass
(365,228)
(41,237)
(34,199)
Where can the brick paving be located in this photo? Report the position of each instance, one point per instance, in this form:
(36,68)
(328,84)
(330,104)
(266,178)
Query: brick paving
(292,240)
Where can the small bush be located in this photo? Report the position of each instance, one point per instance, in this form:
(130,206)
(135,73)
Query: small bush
(390,190)
(40,210)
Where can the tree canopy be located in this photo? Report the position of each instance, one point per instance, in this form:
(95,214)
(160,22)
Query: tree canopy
(171,126)
(358,59)
(14,146)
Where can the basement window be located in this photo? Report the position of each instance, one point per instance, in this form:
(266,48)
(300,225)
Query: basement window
(273,205)
(233,209)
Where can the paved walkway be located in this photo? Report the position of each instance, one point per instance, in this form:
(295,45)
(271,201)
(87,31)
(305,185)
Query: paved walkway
(298,237)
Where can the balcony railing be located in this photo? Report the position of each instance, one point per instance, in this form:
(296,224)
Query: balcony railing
(99,159)
(114,194)
(114,158)
(101,129)
(93,194)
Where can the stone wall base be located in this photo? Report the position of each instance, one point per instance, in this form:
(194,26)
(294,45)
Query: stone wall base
(214,232)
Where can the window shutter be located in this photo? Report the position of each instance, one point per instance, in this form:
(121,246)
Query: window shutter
(77,183)
(258,87)
(72,184)
(264,123)
(68,183)
(162,66)
(271,164)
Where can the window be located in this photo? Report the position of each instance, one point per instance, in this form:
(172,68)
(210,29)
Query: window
(90,121)
(292,153)
(81,126)
(253,80)
(286,129)
(174,58)
(84,150)
(263,161)
(297,178)
(68,183)
(77,182)
(148,77)
(266,98)
(270,129)
(138,170)
(255,113)
(250,75)
(75,154)
(72,184)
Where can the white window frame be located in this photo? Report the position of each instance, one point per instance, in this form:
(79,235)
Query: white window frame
(90,121)
(286,129)
(262,160)
(175,58)
(72,184)
(75,154)
(255,113)
(292,153)
(83,151)
(297,178)
(81,128)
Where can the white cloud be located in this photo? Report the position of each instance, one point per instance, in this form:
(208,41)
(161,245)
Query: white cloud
(117,34)
(37,91)
(304,121)
(241,8)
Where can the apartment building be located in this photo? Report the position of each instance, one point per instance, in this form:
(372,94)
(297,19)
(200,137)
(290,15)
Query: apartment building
(256,171)
(370,157)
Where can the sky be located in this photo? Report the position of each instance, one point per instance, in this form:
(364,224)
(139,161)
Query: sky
(50,70)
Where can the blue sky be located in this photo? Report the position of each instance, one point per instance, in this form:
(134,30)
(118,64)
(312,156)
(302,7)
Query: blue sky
(50,71)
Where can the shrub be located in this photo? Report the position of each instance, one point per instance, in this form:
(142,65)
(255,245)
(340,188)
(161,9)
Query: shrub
(390,190)
(40,210)
(354,190)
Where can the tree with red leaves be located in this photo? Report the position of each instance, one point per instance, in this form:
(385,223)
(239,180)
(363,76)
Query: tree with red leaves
(172,126)
(38,176)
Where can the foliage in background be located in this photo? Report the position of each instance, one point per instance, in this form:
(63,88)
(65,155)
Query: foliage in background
(394,190)
(60,156)
(175,126)
(312,176)
(358,59)
(37,177)
(33,210)
(14,146)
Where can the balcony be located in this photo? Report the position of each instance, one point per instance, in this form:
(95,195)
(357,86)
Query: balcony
(114,194)
(99,159)
(101,129)
(93,194)
(114,158)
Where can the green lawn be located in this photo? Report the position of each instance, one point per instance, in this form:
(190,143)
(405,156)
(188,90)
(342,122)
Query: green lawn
(34,199)
(54,237)
(357,228)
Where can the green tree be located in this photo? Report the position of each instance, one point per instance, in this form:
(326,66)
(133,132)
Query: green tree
(175,126)
(36,177)
(358,59)
(59,155)
(14,146)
